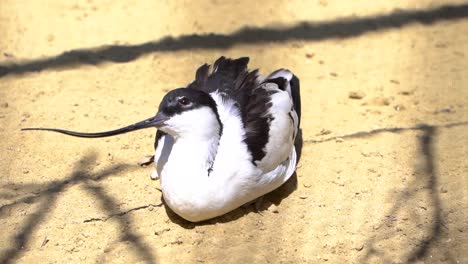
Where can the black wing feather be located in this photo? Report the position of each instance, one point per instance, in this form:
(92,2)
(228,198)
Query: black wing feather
(231,79)
(159,135)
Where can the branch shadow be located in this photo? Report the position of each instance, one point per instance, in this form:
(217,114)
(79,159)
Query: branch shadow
(307,31)
(46,196)
(364,134)
(425,180)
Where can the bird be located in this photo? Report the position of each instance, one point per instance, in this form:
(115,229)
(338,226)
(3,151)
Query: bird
(222,141)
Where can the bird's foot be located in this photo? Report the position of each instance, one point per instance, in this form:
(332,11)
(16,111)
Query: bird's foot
(258,204)
(154,175)
(146,160)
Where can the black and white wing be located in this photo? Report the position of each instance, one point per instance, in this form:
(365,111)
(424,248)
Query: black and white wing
(270,108)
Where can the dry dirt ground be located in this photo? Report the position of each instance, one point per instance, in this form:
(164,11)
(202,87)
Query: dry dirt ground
(373,184)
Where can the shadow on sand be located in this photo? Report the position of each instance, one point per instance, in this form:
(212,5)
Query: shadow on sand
(306,31)
(46,195)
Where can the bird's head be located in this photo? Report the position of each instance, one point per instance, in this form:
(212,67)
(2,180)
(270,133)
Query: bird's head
(186,112)
(183,112)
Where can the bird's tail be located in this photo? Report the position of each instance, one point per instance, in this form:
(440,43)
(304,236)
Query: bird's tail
(286,80)
(296,95)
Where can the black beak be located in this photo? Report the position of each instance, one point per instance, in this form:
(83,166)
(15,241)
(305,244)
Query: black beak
(155,121)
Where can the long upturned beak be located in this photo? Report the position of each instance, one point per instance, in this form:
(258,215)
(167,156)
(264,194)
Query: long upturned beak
(155,121)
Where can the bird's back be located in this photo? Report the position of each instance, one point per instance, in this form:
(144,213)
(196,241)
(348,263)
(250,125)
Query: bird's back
(268,108)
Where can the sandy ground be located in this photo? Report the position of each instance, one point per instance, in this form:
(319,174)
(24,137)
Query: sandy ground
(373,185)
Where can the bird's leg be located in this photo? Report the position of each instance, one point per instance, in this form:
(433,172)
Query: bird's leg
(257,204)
(146,160)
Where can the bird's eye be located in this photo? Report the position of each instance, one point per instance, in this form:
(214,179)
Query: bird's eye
(184,101)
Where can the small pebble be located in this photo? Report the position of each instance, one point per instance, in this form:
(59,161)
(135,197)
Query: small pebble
(399,107)
(310,55)
(273,208)
(339,140)
(356,95)
(406,92)
(307,185)
(8,55)
(359,247)
(378,101)
(445,110)
(303,196)
(323,3)
(323,132)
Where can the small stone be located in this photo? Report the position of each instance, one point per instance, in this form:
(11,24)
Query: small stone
(334,74)
(406,92)
(273,208)
(395,81)
(323,132)
(4,105)
(297,45)
(303,196)
(25,171)
(178,241)
(445,110)
(359,247)
(162,231)
(8,55)
(378,101)
(399,107)
(339,140)
(356,95)
(310,55)
(121,101)
(307,185)
(443,190)
(323,3)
